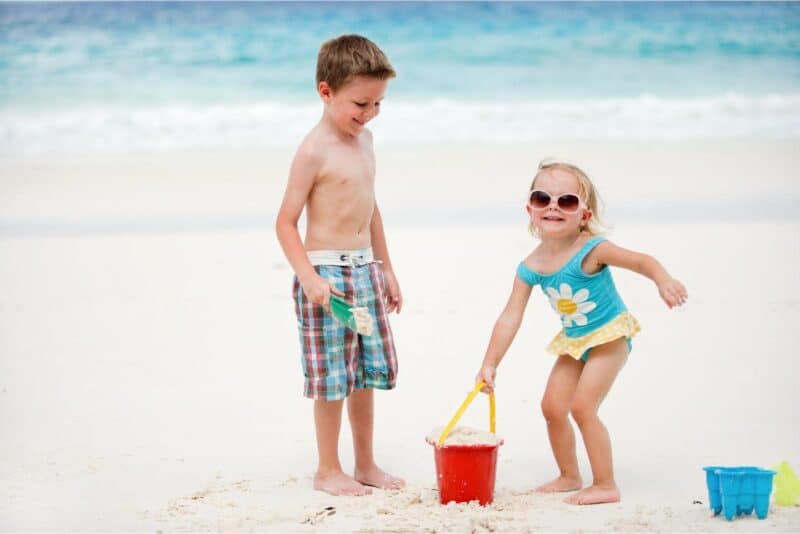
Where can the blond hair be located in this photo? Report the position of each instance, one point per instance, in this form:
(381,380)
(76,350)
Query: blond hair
(586,190)
(346,56)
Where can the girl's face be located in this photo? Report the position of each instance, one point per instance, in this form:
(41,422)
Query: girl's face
(553,221)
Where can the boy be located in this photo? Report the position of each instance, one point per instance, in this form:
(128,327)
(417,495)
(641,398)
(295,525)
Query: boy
(333,177)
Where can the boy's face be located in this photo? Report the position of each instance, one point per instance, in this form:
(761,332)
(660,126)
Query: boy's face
(354,104)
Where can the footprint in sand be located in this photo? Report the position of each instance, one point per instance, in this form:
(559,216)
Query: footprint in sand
(320,516)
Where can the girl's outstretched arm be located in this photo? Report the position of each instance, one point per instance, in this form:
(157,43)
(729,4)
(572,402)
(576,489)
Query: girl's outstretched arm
(671,290)
(505,328)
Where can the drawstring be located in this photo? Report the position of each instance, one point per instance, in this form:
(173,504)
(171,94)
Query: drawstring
(353,260)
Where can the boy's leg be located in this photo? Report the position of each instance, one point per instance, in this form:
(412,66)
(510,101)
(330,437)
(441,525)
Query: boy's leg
(555,407)
(598,375)
(376,369)
(327,347)
(329,477)
(360,409)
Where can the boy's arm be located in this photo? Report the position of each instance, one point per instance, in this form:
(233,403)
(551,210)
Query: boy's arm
(503,333)
(394,298)
(672,291)
(302,175)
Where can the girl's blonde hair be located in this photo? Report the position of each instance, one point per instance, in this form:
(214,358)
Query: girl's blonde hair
(587,191)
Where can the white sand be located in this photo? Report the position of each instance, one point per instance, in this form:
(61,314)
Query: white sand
(149,365)
(463,435)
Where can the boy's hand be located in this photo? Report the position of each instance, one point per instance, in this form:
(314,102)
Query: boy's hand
(394,299)
(486,375)
(672,292)
(318,290)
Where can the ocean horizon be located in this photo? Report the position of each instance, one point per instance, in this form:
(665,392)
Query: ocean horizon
(110,77)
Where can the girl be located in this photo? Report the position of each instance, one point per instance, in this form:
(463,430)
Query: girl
(572,266)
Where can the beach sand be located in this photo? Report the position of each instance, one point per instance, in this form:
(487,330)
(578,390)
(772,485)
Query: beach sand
(149,362)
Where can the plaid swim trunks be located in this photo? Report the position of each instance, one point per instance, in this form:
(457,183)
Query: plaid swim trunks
(335,359)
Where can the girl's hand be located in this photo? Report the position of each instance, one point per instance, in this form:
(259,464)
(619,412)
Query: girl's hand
(672,292)
(394,299)
(318,290)
(486,375)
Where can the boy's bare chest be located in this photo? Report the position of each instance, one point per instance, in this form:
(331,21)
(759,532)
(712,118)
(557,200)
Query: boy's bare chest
(349,170)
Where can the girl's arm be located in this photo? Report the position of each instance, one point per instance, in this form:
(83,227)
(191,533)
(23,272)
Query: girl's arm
(672,291)
(505,328)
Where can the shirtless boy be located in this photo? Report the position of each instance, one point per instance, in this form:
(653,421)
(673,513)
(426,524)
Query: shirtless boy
(344,252)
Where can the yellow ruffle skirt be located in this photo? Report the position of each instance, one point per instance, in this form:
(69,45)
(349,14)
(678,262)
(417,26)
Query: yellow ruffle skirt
(623,325)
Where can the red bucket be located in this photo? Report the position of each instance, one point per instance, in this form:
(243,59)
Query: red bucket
(466,473)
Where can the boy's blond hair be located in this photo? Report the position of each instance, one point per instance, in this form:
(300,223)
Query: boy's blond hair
(346,56)
(587,191)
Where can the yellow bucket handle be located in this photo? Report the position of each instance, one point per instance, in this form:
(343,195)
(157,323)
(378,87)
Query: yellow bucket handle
(463,407)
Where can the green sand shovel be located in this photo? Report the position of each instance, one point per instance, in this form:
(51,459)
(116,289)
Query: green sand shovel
(355,318)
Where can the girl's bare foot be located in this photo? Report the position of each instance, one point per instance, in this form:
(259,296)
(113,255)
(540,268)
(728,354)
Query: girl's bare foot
(376,477)
(561,484)
(595,495)
(338,483)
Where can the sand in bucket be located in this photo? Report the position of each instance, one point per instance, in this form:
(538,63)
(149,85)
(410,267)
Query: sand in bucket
(463,435)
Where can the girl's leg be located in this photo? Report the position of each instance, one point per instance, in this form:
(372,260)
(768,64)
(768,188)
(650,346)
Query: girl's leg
(599,372)
(555,408)
(329,477)
(361,411)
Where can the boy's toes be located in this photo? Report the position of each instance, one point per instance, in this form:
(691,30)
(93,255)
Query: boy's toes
(396,483)
(340,484)
(358,491)
(378,478)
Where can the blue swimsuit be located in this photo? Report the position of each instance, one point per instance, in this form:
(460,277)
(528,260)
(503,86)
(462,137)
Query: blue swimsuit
(591,310)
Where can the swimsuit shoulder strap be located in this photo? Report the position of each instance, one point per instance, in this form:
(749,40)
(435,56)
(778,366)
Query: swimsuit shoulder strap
(527,275)
(577,259)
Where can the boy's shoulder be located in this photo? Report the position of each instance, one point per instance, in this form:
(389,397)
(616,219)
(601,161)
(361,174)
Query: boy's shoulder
(311,145)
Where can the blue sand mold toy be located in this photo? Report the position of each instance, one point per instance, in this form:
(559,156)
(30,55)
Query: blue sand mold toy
(738,490)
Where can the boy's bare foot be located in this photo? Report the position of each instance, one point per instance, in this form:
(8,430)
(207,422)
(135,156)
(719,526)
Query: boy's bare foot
(378,478)
(594,495)
(561,484)
(338,483)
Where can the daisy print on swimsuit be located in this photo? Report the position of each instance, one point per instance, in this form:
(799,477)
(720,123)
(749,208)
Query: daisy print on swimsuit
(572,306)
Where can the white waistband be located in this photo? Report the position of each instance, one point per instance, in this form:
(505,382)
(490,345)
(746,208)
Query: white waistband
(346,258)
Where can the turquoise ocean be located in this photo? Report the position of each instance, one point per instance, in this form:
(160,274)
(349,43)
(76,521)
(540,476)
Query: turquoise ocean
(108,77)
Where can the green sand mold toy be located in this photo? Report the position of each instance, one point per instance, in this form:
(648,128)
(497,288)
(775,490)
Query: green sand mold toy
(787,485)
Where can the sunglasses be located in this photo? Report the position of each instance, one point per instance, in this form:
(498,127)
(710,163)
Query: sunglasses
(568,203)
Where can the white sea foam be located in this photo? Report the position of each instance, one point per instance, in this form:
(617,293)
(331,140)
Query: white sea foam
(438,120)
